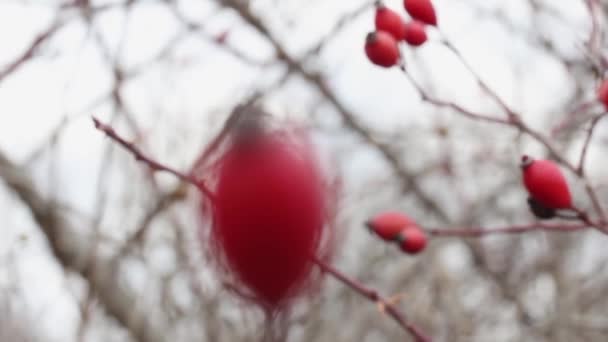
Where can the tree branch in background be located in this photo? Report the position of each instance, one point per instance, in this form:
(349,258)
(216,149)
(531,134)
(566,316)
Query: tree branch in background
(70,251)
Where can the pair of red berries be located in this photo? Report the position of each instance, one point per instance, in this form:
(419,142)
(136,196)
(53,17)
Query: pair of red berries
(382,45)
(394,226)
(546,186)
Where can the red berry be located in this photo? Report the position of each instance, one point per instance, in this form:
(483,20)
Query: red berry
(421,10)
(414,33)
(545,183)
(382,49)
(269,215)
(389,224)
(389,21)
(412,240)
(602,93)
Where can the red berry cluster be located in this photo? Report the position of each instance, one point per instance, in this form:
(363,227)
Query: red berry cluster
(382,45)
(396,227)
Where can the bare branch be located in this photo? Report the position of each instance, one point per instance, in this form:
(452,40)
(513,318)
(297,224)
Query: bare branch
(483,232)
(374,296)
(152,164)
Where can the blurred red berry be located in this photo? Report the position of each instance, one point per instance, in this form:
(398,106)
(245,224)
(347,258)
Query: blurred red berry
(415,34)
(421,10)
(545,183)
(602,94)
(389,21)
(412,240)
(389,224)
(382,49)
(269,214)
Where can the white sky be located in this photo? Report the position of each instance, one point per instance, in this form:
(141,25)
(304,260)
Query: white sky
(71,74)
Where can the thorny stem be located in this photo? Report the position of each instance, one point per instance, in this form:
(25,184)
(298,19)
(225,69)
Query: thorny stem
(374,296)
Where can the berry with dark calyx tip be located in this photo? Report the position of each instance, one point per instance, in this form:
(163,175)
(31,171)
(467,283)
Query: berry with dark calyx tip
(382,49)
(415,34)
(412,240)
(539,210)
(602,93)
(421,10)
(389,21)
(545,183)
(389,224)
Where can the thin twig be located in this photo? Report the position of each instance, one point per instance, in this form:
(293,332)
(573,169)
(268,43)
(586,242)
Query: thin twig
(510,112)
(581,108)
(374,296)
(517,229)
(446,104)
(581,169)
(594,43)
(581,163)
(514,119)
(152,164)
(29,52)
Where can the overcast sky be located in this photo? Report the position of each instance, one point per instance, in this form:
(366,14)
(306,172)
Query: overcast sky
(70,74)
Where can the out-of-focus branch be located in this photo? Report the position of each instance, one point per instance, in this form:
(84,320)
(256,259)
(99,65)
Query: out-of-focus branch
(70,249)
(29,52)
(594,43)
(581,163)
(339,25)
